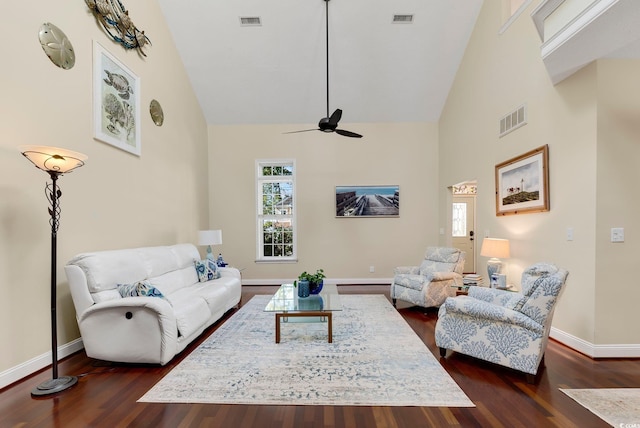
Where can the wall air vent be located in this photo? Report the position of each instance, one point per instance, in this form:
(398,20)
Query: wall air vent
(402,19)
(513,120)
(250,21)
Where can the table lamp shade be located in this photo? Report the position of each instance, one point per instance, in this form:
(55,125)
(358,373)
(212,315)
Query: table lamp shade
(210,237)
(494,247)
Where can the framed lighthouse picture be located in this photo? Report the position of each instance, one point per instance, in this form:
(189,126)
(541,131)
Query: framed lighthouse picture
(522,183)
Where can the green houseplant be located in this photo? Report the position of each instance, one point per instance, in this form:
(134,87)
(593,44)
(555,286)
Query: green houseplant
(315,280)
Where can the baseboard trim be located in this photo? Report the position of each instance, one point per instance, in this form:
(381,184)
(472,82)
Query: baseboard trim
(28,368)
(339,281)
(595,351)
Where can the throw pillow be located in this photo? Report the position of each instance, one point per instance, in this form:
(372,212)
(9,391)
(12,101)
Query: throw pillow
(207,270)
(140,288)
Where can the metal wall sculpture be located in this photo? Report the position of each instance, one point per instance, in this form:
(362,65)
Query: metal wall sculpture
(114,18)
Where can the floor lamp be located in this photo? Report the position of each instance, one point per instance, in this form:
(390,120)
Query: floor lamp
(55,162)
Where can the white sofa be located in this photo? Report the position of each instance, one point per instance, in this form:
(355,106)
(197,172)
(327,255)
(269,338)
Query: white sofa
(146,329)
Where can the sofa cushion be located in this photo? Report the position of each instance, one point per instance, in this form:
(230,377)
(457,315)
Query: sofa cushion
(191,310)
(171,282)
(207,270)
(140,288)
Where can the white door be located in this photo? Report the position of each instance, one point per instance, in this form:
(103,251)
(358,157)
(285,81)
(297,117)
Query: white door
(462,229)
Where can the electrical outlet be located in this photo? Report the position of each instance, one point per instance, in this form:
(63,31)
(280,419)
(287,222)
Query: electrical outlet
(617,234)
(569,233)
(372,269)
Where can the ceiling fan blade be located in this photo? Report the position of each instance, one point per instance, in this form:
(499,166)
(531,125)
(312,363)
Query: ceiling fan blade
(335,118)
(348,133)
(304,130)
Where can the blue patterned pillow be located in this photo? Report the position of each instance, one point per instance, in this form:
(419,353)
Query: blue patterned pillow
(207,270)
(140,288)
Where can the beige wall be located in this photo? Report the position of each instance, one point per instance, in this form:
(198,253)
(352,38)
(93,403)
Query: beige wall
(589,123)
(116,200)
(617,292)
(396,154)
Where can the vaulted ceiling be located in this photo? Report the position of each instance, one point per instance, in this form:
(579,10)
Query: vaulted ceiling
(379,71)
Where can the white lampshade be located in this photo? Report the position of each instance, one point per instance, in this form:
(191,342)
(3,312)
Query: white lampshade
(210,237)
(494,247)
(53,159)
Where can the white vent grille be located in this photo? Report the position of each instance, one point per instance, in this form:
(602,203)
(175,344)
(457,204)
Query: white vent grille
(402,19)
(513,120)
(250,21)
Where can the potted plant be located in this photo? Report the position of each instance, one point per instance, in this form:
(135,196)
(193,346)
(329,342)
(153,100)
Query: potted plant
(315,280)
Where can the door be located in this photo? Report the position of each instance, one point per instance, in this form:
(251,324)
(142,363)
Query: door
(462,229)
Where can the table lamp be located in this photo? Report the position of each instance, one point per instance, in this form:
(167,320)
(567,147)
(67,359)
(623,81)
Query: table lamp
(209,238)
(496,249)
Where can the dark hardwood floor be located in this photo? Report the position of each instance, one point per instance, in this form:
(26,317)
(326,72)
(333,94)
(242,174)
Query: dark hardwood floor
(106,394)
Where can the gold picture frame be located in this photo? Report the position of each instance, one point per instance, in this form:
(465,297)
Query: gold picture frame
(522,183)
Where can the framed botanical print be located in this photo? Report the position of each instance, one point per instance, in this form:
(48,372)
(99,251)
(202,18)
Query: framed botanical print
(116,102)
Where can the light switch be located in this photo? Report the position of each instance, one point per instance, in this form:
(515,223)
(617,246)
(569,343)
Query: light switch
(569,233)
(617,234)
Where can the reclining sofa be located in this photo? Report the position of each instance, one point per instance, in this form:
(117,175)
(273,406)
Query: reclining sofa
(145,305)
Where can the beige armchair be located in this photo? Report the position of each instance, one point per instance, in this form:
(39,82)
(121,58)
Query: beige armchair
(433,281)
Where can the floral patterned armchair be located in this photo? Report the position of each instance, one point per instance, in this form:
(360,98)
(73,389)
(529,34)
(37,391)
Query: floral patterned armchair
(433,281)
(503,327)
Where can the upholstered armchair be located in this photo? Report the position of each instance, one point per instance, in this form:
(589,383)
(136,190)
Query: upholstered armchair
(507,328)
(433,281)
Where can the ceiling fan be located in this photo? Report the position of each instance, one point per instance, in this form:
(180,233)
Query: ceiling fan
(329,123)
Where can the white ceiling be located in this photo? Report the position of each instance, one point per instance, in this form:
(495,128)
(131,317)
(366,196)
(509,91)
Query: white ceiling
(276,73)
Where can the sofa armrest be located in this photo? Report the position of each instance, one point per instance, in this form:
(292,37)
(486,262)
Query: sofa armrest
(230,271)
(479,309)
(131,329)
(411,270)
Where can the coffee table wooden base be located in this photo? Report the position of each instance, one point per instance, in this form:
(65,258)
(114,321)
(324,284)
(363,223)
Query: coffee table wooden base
(306,314)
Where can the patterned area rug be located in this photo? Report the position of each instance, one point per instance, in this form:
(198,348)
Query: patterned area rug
(375,360)
(619,407)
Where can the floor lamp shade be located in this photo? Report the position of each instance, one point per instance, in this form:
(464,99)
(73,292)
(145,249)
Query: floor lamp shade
(209,238)
(496,249)
(54,161)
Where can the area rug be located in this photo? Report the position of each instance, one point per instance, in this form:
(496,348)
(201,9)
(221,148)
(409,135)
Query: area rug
(375,360)
(619,407)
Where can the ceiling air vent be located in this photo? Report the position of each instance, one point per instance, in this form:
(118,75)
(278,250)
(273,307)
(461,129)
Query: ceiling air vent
(402,19)
(513,120)
(250,21)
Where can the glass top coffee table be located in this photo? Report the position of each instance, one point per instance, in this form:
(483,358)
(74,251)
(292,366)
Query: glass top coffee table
(317,307)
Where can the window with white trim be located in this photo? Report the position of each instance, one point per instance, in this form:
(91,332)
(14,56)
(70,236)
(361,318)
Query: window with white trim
(275,202)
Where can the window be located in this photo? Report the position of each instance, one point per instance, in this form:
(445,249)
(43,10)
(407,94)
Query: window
(459,221)
(276,226)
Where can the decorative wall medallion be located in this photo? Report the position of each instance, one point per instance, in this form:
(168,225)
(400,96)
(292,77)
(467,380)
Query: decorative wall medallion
(57,46)
(115,21)
(157,115)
